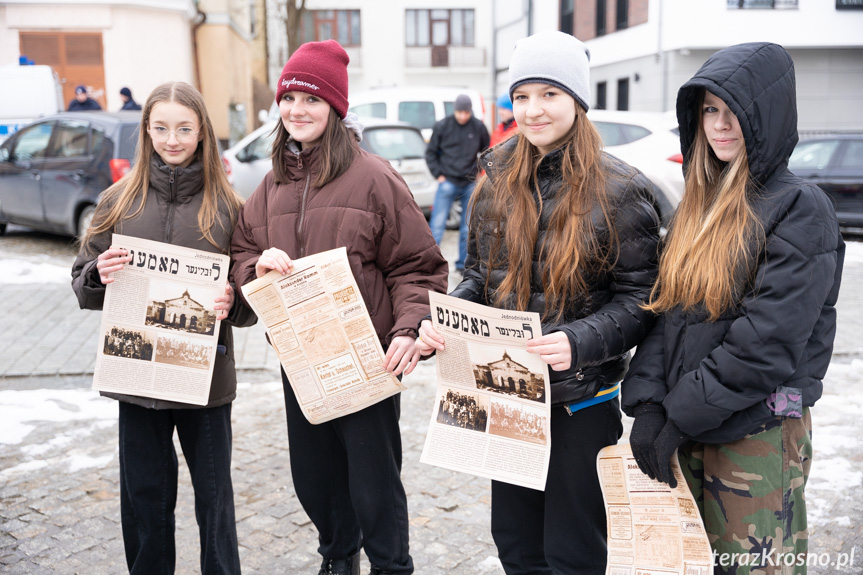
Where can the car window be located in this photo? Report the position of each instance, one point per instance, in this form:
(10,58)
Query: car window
(813,154)
(258,149)
(448,108)
(70,139)
(616,134)
(853,156)
(419,114)
(374,110)
(128,141)
(33,142)
(97,136)
(394,143)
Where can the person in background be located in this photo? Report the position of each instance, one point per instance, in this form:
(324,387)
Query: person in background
(325,192)
(507,127)
(176,192)
(129,102)
(82,101)
(562,229)
(747,289)
(451,156)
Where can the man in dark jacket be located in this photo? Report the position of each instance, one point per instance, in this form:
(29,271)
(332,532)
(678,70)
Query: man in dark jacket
(451,156)
(129,102)
(83,102)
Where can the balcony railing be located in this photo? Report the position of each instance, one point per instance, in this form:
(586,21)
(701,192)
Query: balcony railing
(444,56)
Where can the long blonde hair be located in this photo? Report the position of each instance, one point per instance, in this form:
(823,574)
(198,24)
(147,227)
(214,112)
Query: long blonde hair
(573,246)
(714,236)
(123,194)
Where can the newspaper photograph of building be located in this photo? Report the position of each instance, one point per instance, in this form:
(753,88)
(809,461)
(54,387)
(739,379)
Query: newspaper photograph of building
(183,312)
(505,375)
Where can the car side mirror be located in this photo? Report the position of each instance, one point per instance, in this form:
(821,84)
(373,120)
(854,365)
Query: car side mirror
(24,164)
(4,155)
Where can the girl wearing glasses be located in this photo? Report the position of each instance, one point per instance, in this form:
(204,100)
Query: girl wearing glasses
(176,192)
(747,288)
(562,229)
(325,192)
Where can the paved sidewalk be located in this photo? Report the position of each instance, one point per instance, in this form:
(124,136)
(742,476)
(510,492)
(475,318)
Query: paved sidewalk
(59,493)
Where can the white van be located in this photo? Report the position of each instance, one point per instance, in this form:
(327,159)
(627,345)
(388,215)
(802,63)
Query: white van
(28,93)
(420,106)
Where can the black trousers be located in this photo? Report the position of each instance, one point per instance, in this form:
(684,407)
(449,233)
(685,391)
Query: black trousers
(148,486)
(561,530)
(347,475)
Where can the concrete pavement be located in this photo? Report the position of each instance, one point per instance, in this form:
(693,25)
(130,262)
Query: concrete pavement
(59,493)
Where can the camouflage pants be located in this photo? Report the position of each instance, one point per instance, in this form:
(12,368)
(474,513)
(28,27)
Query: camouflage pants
(750,494)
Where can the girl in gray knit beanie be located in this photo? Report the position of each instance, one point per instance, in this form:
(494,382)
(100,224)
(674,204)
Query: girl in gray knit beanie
(559,228)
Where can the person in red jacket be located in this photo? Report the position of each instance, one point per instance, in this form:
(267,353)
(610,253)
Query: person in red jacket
(325,192)
(507,126)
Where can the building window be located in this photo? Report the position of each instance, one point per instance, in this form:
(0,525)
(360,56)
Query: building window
(601,91)
(340,25)
(622,19)
(567,16)
(439,27)
(759,4)
(623,94)
(600,17)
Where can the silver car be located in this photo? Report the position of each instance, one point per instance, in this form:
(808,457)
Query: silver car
(248,161)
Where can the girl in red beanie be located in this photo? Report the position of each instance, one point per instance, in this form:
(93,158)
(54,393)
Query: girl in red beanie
(325,192)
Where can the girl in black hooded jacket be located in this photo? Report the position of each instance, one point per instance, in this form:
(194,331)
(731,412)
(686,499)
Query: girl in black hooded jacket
(564,230)
(747,286)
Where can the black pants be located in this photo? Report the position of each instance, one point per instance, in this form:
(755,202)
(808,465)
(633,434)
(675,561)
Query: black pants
(148,486)
(560,530)
(347,475)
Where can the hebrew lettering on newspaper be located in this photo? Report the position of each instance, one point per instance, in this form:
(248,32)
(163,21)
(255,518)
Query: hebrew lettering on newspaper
(653,529)
(322,333)
(159,333)
(491,416)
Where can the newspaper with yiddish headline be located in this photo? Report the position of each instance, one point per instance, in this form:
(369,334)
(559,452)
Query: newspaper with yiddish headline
(322,333)
(159,333)
(491,416)
(653,529)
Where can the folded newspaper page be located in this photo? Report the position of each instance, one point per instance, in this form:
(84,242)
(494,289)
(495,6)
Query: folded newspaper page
(159,330)
(322,333)
(652,528)
(491,416)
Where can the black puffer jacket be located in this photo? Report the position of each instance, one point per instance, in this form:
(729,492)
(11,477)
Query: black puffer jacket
(714,378)
(605,325)
(170,216)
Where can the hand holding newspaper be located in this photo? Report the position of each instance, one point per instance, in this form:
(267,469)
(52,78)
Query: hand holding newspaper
(322,333)
(159,330)
(653,529)
(491,416)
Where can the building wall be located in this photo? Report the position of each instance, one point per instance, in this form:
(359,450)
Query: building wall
(123,26)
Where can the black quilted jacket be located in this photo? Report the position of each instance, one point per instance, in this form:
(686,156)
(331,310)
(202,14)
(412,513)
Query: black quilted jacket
(714,378)
(606,324)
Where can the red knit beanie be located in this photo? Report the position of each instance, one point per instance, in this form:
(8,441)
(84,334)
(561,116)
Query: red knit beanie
(319,68)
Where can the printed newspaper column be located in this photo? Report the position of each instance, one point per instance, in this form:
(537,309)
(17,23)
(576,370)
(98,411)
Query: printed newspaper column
(491,416)
(652,528)
(159,332)
(322,333)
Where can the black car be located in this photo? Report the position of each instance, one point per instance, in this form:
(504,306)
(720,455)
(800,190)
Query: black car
(53,170)
(834,163)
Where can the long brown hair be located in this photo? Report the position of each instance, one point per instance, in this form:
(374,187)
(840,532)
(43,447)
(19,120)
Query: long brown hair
(572,244)
(122,195)
(338,146)
(713,238)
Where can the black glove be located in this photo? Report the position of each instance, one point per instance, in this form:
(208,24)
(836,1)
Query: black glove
(649,420)
(669,439)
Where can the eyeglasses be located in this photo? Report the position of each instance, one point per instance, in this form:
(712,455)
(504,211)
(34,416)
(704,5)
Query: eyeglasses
(161,134)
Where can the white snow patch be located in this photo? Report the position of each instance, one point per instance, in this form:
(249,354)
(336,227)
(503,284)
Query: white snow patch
(19,410)
(17,271)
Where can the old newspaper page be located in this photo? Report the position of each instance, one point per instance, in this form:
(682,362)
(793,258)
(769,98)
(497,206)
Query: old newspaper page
(159,332)
(652,528)
(491,416)
(322,333)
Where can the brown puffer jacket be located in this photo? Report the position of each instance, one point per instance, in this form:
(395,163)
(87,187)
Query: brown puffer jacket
(170,216)
(370,211)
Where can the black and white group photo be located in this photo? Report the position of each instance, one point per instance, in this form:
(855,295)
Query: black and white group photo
(182,351)
(517,421)
(128,343)
(463,409)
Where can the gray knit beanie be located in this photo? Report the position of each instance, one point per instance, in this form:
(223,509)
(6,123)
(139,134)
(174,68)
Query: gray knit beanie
(553,58)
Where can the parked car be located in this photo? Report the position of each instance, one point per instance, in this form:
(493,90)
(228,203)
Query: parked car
(420,106)
(53,170)
(835,164)
(649,141)
(248,161)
